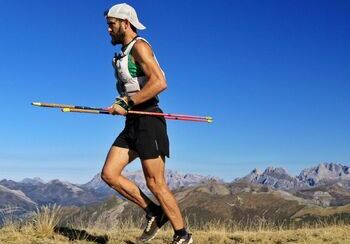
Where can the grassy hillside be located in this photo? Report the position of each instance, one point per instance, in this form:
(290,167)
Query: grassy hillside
(238,204)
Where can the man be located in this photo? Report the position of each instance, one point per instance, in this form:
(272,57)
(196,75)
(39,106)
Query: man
(139,81)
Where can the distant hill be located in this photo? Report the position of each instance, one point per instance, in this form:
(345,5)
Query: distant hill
(14,203)
(54,192)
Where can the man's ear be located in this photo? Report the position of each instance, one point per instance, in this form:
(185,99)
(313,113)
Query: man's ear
(126,24)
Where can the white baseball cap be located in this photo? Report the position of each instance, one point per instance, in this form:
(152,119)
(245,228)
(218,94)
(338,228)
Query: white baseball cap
(125,11)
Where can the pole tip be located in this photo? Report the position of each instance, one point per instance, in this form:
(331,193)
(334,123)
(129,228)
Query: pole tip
(210,120)
(65,109)
(36,104)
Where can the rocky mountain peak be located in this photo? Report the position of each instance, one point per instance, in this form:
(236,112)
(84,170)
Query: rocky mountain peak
(324,172)
(274,177)
(33,181)
(279,173)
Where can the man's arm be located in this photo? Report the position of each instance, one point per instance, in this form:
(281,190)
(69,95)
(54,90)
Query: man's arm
(156,83)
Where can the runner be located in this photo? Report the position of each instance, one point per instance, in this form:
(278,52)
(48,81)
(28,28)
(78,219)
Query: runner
(139,81)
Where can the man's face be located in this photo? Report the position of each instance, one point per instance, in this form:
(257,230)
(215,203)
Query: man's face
(116,29)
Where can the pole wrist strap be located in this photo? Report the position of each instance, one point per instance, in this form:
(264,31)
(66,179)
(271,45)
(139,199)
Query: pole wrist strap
(122,103)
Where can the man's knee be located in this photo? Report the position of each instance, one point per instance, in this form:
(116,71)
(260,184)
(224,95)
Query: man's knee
(156,186)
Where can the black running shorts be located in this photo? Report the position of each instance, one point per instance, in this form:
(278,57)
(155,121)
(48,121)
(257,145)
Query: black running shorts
(145,134)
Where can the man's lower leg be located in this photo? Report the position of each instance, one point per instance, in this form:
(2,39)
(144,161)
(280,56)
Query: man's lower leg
(130,191)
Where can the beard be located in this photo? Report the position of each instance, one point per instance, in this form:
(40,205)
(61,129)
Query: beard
(117,38)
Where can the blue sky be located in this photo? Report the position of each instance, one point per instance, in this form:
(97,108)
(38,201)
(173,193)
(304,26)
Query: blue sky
(274,75)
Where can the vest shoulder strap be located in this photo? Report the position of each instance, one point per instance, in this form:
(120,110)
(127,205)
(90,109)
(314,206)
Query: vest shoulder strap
(131,45)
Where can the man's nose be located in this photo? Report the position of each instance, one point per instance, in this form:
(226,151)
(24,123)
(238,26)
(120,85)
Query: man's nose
(109,29)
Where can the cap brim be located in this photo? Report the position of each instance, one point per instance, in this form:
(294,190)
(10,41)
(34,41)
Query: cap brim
(139,26)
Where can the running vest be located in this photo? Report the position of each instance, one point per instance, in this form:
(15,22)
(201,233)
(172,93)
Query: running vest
(129,75)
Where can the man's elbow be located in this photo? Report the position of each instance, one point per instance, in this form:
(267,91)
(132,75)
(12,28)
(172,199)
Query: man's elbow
(162,84)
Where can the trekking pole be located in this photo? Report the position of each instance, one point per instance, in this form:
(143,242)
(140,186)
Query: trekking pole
(95,110)
(103,111)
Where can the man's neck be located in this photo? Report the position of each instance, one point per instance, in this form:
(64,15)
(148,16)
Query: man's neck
(128,38)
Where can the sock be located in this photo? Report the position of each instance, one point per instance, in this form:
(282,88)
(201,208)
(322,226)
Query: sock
(152,209)
(181,232)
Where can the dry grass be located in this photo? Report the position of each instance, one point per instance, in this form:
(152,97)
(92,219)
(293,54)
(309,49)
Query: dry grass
(41,229)
(45,219)
(335,234)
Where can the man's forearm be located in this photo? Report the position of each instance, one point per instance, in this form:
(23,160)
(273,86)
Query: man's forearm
(152,88)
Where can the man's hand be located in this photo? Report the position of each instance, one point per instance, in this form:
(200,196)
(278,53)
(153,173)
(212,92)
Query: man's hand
(117,109)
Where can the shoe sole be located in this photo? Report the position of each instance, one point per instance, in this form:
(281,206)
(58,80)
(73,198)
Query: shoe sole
(156,233)
(190,241)
(150,239)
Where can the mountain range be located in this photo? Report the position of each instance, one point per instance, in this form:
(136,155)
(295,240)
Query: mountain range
(323,174)
(230,204)
(174,180)
(26,195)
(273,193)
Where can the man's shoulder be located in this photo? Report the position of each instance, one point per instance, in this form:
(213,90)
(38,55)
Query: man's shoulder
(141,46)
